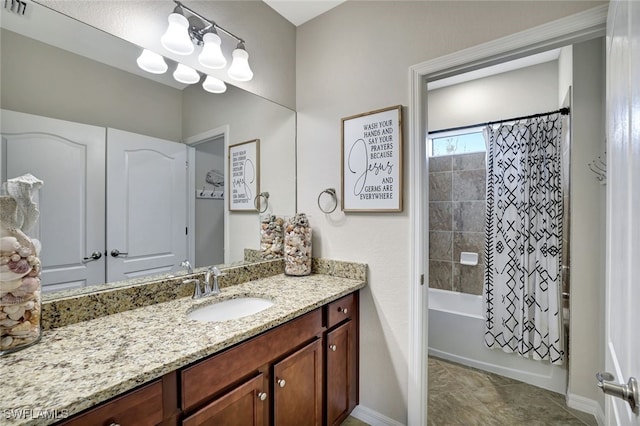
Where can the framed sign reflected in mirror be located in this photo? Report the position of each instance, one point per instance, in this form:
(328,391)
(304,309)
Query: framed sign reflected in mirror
(244,175)
(372,161)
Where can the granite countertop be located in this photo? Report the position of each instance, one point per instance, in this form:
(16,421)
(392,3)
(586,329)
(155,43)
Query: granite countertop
(80,365)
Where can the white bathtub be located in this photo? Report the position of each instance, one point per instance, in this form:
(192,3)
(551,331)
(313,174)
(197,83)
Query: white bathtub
(456,331)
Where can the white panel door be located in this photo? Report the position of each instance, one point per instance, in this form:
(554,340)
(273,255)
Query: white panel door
(623,204)
(69,158)
(146,205)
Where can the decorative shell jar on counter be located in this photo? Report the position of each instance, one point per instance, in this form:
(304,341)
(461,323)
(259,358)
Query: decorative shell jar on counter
(20,299)
(297,246)
(271,237)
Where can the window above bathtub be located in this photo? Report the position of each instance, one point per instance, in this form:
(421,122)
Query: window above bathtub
(456,142)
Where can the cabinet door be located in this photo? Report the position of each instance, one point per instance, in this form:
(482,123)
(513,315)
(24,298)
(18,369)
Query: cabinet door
(244,405)
(298,387)
(341,372)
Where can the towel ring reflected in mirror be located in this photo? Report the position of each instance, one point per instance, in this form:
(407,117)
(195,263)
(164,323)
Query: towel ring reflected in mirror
(259,197)
(332,194)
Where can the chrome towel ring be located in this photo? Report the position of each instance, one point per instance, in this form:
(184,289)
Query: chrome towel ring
(259,197)
(332,194)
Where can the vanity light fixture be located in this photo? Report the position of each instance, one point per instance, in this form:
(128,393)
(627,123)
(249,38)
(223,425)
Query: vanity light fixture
(188,29)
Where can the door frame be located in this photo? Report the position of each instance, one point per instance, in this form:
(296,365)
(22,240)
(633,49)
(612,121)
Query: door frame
(192,142)
(565,31)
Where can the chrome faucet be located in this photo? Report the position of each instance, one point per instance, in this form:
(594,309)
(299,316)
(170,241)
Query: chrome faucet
(197,292)
(213,270)
(186,264)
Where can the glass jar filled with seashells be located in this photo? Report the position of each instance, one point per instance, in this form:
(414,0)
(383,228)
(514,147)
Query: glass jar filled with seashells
(271,237)
(20,303)
(297,246)
(20,298)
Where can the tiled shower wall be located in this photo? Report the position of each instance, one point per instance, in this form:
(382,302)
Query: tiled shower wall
(457,200)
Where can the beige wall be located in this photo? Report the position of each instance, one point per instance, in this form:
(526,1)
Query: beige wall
(354,59)
(515,93)
(270,38)
(40,79)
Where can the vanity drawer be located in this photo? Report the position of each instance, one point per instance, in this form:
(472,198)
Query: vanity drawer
(341,309)
(140,407)
(212,376)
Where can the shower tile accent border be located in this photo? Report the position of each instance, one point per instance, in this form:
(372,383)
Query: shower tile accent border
(73,306)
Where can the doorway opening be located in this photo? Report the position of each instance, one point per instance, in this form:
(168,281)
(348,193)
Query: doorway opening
(578,28)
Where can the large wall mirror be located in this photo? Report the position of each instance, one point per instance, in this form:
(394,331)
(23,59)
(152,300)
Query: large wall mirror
(57,67)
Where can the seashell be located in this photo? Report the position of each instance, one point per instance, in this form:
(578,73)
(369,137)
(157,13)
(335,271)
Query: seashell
(11,299)
(4,260)
(8,286)
(7,322)
(19,293)
(14,258)
(22,328)
(11,309)
(9,244)
(29,284)
(17,315)
(20,266)
(6,342)
(6,274)
(24,251)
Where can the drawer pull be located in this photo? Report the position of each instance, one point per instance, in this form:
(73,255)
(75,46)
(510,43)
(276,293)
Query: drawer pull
(262,396)
(114,424)
(343,310)
(333,347)
(281,383)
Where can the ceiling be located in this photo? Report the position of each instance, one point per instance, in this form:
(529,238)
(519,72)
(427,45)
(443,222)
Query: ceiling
(300,11)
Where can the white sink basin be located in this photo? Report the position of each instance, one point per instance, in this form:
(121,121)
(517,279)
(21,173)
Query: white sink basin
(230,309)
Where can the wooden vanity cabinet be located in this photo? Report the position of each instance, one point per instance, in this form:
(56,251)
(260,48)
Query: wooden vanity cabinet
(341,355)
(287,358)
(304,372)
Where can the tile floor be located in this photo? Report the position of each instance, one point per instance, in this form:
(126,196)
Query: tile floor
(464,396)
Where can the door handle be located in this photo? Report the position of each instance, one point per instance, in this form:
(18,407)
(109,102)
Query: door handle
(118,253)
(94,256)
(628,392)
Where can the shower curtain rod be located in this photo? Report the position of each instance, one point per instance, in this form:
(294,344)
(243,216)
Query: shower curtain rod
(562,111)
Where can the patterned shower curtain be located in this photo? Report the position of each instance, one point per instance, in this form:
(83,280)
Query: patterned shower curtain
(523,243)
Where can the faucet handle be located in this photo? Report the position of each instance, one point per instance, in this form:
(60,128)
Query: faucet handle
(216,272)
(187,264)
(197,292)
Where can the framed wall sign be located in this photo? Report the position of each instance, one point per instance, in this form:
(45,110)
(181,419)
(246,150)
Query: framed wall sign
(244,175)
(372,161)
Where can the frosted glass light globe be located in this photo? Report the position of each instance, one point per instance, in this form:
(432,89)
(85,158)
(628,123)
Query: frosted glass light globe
(239,69)
(214,85)
(211,55)
(176,39)
(186,75)
(152,62)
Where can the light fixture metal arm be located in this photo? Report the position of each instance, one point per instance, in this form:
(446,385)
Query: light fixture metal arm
(208,22)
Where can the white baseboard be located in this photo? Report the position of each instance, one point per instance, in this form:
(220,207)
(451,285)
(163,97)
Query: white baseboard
(586,405)
(373,418)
